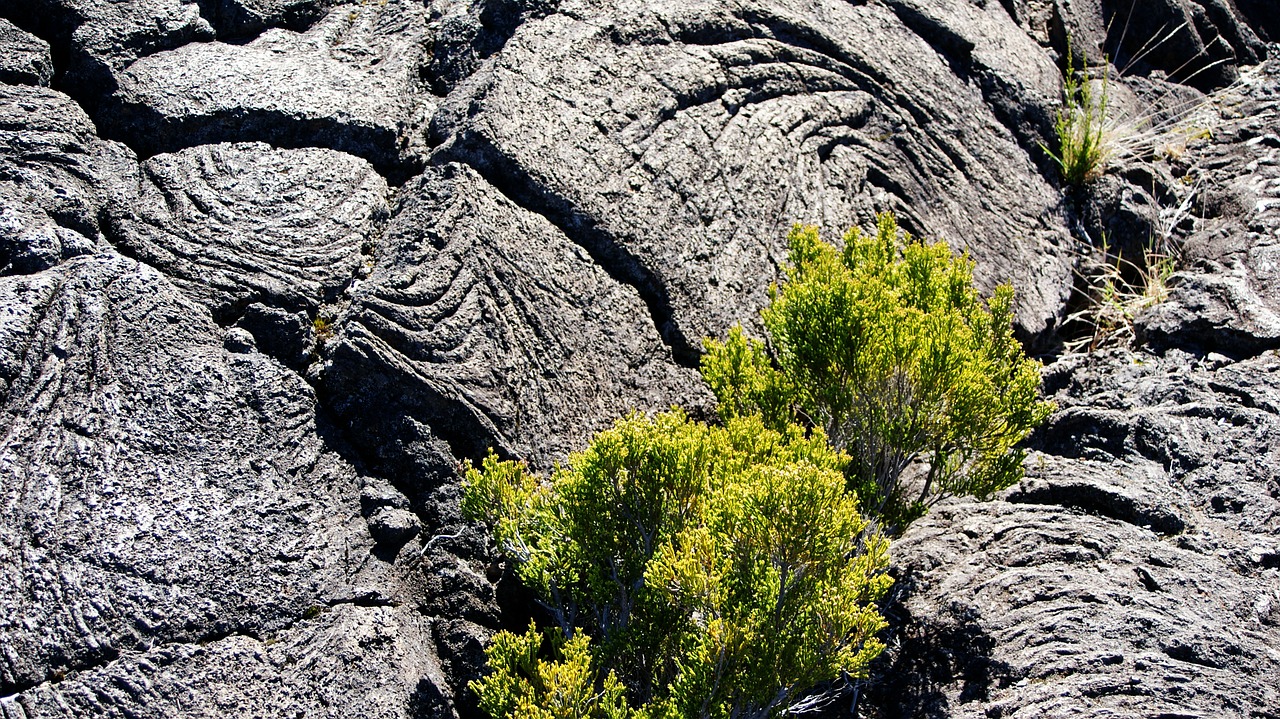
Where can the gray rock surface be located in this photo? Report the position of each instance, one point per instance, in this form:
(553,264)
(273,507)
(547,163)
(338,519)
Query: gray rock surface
(24,58)
(271,269)
(1201,43)
(351,83)
(56,178)
(233,19)
(95,39)
(143,472)
(483,325)
(678,144)
(1134,572)
(265,236)
(347,660)
(1230,300)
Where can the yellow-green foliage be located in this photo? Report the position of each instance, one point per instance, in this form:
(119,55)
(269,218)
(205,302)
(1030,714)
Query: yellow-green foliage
(521,683)
(886,347)
(719,571)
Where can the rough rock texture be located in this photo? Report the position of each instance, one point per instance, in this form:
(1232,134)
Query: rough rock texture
(233,19)
(482,324)
(360,661)
(675,143)
(349,83)
(1196,42)
(156,487)
(1136,570)
(271,269)
(95,39)
(24,58)
(264,236)
(56,178)
(1230,301)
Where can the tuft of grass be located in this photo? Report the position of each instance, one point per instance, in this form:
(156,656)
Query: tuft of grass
(1081,125)
(1090,138)
(323,327)
(1117,291)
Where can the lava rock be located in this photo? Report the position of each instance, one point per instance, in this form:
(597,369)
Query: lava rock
(1120,582)
(482,322)
(155,488)
(56,177)
(389,525)
(679,145)
(349,83)
(515,220)
(30,241)
(373,662)
(1229,299)
(247,225)
(24,58)
(1201,43)
(99,38)
(248,18)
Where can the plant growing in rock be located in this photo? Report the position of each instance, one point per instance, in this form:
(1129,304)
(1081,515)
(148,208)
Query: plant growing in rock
(323,327)
(1081,125)
(1089,137)
(691,571)
(885,347)
(1116,291)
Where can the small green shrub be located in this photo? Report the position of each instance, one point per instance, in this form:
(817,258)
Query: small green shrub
(523,683)
(1081,126)
(886,347)
(323,327)
(718,571)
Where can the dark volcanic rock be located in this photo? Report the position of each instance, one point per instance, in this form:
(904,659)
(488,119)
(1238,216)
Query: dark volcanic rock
(244,224)
(1230,300)
(350,83)
(1039,612)
(466,33)
(175,527)
(367,240)
(1129,573)
(373,662)
(246,18)
(24,58)
(481,324)
(56,179)
(678,145)
(1200,43)
(94,39)
(30,240)
(1133,572)
(142,469)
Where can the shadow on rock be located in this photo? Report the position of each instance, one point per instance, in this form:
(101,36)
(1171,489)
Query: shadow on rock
(926,655)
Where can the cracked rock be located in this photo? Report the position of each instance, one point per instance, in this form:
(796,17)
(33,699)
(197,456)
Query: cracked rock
(247,225)
(483,325)
(154,487)
(679,145)
(393,526)
(24,58)
(272,271)
(57,179)
(349,83)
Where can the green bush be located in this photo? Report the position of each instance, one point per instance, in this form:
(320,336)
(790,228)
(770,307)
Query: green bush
(887,348)
(717,571)
(522,683)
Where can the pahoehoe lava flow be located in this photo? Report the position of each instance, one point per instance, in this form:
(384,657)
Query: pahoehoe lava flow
(273,271)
